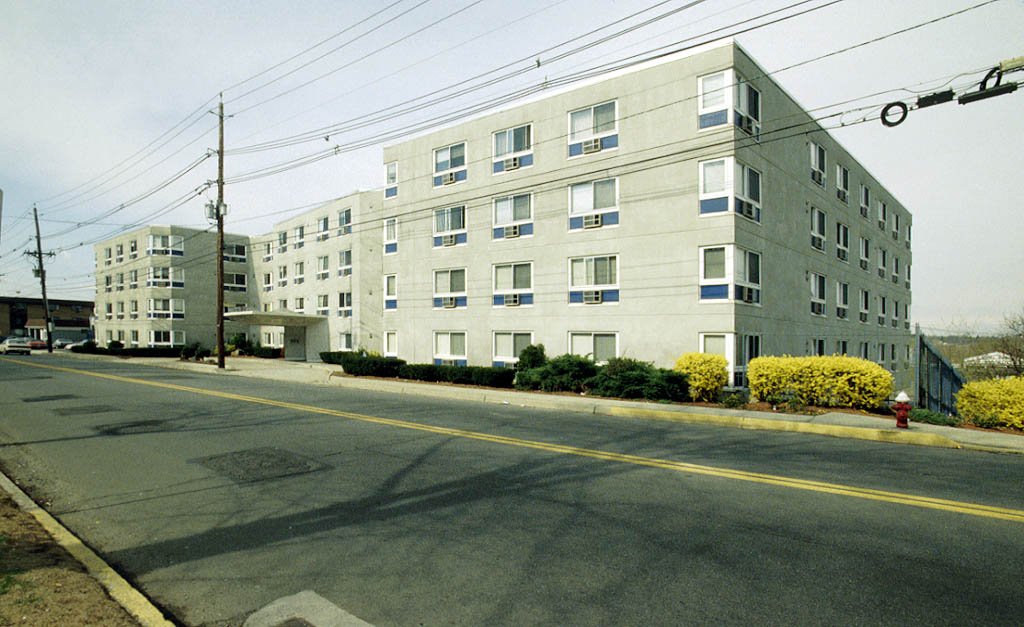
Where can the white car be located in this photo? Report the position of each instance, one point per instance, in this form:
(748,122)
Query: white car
(16,345)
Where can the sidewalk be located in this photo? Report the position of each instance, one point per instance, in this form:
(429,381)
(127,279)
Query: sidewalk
(836,424)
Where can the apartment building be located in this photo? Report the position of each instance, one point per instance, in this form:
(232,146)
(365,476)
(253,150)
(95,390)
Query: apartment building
(684,204)
(156,286)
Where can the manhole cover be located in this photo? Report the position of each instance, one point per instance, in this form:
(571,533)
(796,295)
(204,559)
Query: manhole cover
(133,428)
(260,464)
(52,397)
(84,411)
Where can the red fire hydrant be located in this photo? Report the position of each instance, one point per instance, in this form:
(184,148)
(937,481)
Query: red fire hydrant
(902,408)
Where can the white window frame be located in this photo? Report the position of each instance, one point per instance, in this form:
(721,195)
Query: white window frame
(282,275)
(324,228)
(282,241)
(165,244)
(819,163)
(842,300)
(589,264)
(231,283)
(496,290)
(508,359)
(300,237)
(174,306)
(268,251)
(448,212)
(818,292)
(582,210)
(864,305)
(742,106)
(391,173)
(842,183)
(323,267)
(449,354)
(390,290)
(448,150)
(842,242)
(323,304)
(593,335)
(702,95)
(509,133)
(450,293)
(592,132)
(300,273)
(343,256)
(742,190)
(865,202)
(391,233)
(511,201)
(345,221)
(819,228)
(344,304)
(391,343)
(300,304)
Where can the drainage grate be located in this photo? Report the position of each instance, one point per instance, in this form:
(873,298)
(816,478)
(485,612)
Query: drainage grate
(84,411)
(52,397)
(133,428)
(260,464)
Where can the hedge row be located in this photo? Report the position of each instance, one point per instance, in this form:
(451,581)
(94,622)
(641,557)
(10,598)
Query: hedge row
(619,378)
(357,364)
(993,402)
(823,381)
(135,351)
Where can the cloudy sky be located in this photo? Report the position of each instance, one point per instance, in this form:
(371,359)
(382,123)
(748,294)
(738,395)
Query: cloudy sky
(105,107)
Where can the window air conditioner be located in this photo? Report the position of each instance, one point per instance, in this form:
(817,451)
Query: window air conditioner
(841,313)
(881,224)
(745,208)
(512,300)
(841,253)
(746,124)
(511,163)
(863,211)
(512,231)
(448,178)
(448,302)
(842,195)
(863,264)
(863,316)
(591,145)
(592,221)
(448,240)
(592,297)
(746,294)
(906,284)
(881,273)
(896,278)
(881,321)
(447,362)
(817,242)
(817,176)
(818,309)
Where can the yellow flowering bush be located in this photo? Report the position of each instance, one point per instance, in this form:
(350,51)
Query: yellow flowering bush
(825,381)
(993,402)
(706,373)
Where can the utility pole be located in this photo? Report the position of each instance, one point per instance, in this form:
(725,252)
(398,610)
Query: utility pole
(42,281)
(220,238)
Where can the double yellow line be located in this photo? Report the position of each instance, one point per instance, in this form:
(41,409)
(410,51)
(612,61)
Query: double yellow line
(961,507)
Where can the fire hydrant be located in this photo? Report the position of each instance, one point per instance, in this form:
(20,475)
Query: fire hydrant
(902,408)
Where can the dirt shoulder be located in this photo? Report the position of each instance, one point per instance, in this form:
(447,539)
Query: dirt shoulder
(42,584)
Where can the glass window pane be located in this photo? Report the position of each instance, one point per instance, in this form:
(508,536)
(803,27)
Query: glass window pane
(714,177)
(521,138)
(440,160)
(391,281)
(753,103)
(579,272)
(500,143)
(440,221)
(714,263)
(754,268)
(522,276)
(714,345)
(713,94)
(440,281)
(521,210)
(519,342)
(502,211)
(458,218)
(503,277)
(604,194)
(457,155)
(458,344)
(503,345)
(604,118)
(753,185)
(580,343)
(579,125)
(582,197)
(441,344)
(458,280)
(604,346)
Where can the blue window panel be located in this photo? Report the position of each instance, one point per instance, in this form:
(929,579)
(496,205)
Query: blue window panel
(710,292)
(460,301)
(499,299)
(437,181)
(178,253)
(177,284)
(178,316)
(438,303)
(526,299)
(498,364)
(437,362)
(714,119)
(575,297)
(526,160)
(575,223)
(575,149)
(610,218)
(391,192)
(437,240)
(526,229)
(460,175)
(391,248)
(610,296)
(499,166)
(391,303)
(499,233)
(714,205)
(611,141)
(461,238)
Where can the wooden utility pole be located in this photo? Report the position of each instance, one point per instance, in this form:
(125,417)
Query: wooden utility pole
(42,281)
(220,238)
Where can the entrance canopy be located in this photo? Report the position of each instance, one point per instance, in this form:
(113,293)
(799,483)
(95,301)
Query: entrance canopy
(305,336)
(281,318)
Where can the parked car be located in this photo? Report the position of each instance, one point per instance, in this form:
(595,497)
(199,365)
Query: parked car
(16,345)
(36,343)
(61,342)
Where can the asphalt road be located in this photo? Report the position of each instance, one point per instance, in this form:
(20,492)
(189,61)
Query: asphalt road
(218,495)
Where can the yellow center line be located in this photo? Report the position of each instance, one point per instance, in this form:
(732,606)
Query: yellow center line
(962,507)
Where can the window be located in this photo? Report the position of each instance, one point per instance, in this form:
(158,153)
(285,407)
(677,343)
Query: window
(450,226)
(120,253)
(883,262)
(712,108)
(883,214)
(234,281)
(165,277)
(722,266)
(344,304)
(818,346)
(110,311)
(345,341)
(842,242)
(513,284)
(450,346)
(895,269)
(108,283)
(718,344)
(166,245)
(322,304)
(450,164)
(818,164)
(391,180)
(713,273)
(108,256)
(881,352)
(282,241)
(345,262)
(323,229)
(300,305)
(883,304)
(390,236)
(817,294)
(586,273)
(120,281)
(135,337)
(345,221)
(598,346)
(323,267)
(300,236)
(747,347)
(166,308)
(268,281)
(593,197)
(865,253)
(282,276)
(133,279)
(133,309)
(896,226)
(747,108)
(748,276)
(817,229)
(300,271)
(282,305)
(590,122)
(842,300)
(268,251)
(748,192)
(390,292)
(842,347)
(450,288)
(391,344)
(508,345)
(865,305)
(864,350)
(166,338)
(906,278)
(865,201)
(723,179)
(842,184)
(513,149)
(510,210)
(133,249)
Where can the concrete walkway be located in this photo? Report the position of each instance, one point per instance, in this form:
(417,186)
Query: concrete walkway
(836,424)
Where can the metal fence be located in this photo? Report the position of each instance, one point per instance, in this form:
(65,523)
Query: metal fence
(937,380)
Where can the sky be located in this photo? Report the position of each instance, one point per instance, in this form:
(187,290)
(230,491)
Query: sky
(106,104)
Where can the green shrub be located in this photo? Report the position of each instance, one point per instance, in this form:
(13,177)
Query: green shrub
(735,400)
(932,418)
(622,377)
(359,365)
(202,353)
(188,351)
(706,374)
(241,343)
(565,373)
(531,357)
(268,352)
(115,346)
(152,351)
(993,402)
(824,381)
(89,346)
(420,372)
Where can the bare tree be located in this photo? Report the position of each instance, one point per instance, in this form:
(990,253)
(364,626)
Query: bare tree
(1011,342)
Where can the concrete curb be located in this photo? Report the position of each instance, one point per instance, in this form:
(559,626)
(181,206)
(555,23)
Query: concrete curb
(133,601)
